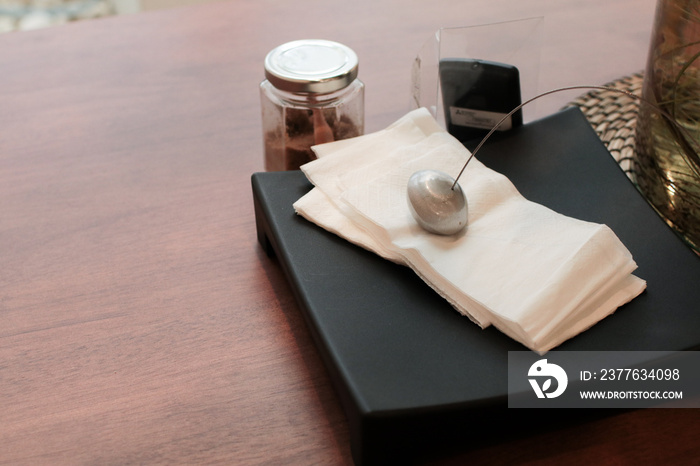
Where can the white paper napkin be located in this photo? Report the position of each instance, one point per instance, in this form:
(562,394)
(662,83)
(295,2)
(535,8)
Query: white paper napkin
(538,276)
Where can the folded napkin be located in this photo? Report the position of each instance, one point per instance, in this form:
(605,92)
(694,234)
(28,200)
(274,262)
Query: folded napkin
(538,276)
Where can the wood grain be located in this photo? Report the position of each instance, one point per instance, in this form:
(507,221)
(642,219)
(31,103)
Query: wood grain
(140,322)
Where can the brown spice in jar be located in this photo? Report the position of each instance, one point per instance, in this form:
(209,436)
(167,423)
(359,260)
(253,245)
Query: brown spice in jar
(292,149)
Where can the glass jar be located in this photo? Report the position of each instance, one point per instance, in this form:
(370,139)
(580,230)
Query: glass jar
(311,95)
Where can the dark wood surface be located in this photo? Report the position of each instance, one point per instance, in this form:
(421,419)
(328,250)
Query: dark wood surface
(140,322)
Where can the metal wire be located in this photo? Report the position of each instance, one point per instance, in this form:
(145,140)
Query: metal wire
(570,88)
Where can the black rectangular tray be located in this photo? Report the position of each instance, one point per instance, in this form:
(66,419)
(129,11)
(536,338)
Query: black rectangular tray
(415,377)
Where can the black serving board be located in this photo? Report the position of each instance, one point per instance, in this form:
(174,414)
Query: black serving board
(416,378)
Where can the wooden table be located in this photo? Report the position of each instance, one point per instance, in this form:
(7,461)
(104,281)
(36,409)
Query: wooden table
(140,322)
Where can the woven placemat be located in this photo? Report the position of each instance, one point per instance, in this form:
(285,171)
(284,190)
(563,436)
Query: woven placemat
(614,117)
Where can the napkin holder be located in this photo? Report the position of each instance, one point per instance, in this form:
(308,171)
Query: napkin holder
(413,376)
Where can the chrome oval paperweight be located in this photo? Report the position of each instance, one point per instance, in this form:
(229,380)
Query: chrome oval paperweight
(436,202)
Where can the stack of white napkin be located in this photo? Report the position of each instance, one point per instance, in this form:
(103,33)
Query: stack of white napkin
(538,276)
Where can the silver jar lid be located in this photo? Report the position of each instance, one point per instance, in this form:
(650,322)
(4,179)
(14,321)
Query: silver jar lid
(317,66)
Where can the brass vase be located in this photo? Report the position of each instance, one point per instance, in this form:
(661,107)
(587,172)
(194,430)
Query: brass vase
(666,161)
